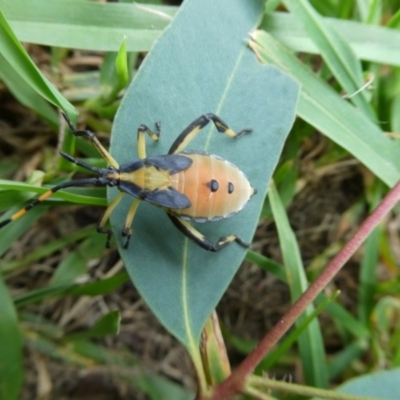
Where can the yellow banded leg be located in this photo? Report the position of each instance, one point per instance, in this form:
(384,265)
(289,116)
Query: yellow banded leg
(103,220)
(127,230)
(22,212)
(45,195)
(93,139)
(197,125)
(141,144)
(197,237)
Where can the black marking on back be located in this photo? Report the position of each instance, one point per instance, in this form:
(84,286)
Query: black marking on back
(231,188)
(130,188)
(170,162)
(131,166)
(169,198)
(213,185)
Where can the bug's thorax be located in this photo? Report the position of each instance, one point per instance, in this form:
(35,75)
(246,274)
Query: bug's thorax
(148,178)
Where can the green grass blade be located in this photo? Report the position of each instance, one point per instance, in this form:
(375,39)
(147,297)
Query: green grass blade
(39,295)
(11,368)
(87,25)
(345,321)
(25,94)
(335,51)
(394,21)
(101,287)
(46,250)
(11,232)
(206,67)
(382,46)
(74,265)
(345,357)
(107,325)
(324,109)
(368,277)
(278,352)
(74,195)
(266,264)
(311,345)
(12,50)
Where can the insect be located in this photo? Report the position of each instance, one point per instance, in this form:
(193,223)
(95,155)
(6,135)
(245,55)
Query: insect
(189,185)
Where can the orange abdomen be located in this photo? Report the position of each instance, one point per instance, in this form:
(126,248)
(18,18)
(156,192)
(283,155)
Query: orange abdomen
(216,188)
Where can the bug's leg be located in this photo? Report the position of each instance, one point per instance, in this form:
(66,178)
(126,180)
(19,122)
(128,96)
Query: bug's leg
(127,230)
(103,220)
(197,125)
(95,142)
(80,163)
(141,144)
(194,235)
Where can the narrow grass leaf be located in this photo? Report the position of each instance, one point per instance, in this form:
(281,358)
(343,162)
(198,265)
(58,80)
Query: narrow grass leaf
(310,342)
(25,94)
(12,50)
(324,109)
(74,265)
(100,288)
(335,51)
(369,43)
(341,360)
(43,251)
(159,388)
(206,68)
(73,195)
(11,368)
(278,352)
(87,25)
(394,21)
(38,295)
(11,232)
(375,12)
(266,264)
(345,321)
(368,276)
(107,325)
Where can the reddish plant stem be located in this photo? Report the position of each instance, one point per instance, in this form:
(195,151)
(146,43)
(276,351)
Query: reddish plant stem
(237,380)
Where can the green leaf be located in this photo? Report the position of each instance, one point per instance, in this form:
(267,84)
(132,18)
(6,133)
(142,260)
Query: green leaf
(310,342)
(381,385)
(107,325)
(340,362)
(45,250)
(38,295)
(335,51)
(101,287)
(25,94)
(11,232)
(382,45)
(324,109)
(73,195)
(11,368)
(12,50)
(121,65)
(266,264)
(87,25)
(74,265)
(200,65)
(368,276)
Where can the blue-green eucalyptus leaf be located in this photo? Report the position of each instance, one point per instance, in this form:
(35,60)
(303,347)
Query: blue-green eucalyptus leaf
(200,65)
